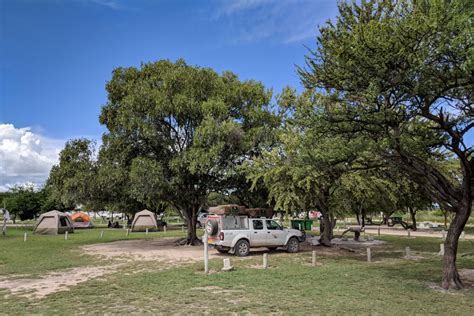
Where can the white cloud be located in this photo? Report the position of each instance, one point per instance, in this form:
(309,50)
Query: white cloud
(25,157)
(286,21)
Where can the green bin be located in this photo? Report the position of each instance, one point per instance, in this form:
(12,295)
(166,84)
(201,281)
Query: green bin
(301,224)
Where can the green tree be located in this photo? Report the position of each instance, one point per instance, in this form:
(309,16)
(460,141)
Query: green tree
(180,132)
(23,202)
(365,192)
(401,72)
(305,169)
(72,181)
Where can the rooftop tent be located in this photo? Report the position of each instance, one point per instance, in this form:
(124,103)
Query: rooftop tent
(143,220)
(81,220)
(53,223)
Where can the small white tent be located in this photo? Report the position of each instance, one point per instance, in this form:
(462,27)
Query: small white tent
(53,223)
(143,220)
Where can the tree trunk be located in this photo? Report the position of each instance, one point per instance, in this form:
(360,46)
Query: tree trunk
(451,279)
(445,213)
(326,232)
(358,218)
(191,215)
(413,217)
(362,214)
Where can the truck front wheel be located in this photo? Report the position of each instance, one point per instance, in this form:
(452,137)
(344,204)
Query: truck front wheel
(293,245)
(242,248)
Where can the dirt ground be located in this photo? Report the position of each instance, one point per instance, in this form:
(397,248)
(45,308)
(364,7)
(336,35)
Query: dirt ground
(164,249)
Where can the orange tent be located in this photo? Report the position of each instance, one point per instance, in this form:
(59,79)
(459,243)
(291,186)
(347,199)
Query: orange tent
(80,217)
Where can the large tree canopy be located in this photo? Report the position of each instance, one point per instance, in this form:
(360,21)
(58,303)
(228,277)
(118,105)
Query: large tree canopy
(401,73)
(180,132)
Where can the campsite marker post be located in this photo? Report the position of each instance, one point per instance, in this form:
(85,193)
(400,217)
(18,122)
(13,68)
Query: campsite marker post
(313,261)
(369,255)
(164,228)
(101,233)
(146,232)
(444,234)
(407,251)
(462,235)
(206,253)
(265,261)
(378,231)
(408,233)
(128,231)
(65,235)
(441,250)
(25,236)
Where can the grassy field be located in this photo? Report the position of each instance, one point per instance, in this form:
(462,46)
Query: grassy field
(343,282)
(41,254)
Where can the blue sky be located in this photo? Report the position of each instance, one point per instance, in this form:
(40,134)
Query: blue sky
(57,55)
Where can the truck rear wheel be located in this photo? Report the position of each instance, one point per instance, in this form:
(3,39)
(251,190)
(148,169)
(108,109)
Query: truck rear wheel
(242,248)
(293,245)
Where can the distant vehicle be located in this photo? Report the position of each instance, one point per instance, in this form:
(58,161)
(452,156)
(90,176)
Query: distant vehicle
(237,234)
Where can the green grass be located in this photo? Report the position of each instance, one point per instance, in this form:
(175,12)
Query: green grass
(42,253)
(343,283)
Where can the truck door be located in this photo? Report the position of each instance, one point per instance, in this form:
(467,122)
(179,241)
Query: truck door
(275,234)
(258,234)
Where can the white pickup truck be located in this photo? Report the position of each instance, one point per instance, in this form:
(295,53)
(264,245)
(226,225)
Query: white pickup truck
(237,234)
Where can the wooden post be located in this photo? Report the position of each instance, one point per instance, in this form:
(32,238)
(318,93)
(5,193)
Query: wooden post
(101,233)
(408,233)
(407,251)
(378,231)
(443,234)
(128,231)
(146,232)
(206,253)
(164,228)
(65,235)
(462,235)
(369,255)
(313,261)
(265,261)
(25,236)
(441,250)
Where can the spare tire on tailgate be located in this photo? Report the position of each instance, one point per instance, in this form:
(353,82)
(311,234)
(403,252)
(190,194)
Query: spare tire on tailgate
(211,227)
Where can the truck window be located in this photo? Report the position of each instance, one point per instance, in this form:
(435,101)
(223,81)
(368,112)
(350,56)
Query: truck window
(257,224)
(272,225)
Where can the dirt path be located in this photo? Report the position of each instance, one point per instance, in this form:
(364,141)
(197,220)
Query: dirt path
(122,253)
(163,249)
(53,282)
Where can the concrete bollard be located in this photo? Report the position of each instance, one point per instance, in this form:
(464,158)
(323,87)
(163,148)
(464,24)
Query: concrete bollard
(65,235)
(146,232)
(369,255)
(25,236)
(313,260)
(441,250)
(407,251)
(265,261)
(101,233)
(206,253)
(227,265)
(378,231)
